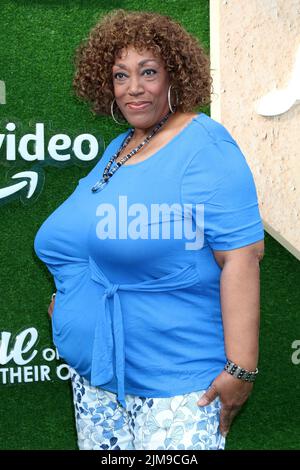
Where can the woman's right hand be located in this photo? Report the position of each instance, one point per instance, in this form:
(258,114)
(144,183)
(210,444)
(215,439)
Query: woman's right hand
(51,307)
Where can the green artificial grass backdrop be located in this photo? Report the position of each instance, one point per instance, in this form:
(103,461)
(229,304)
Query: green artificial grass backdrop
(38,40)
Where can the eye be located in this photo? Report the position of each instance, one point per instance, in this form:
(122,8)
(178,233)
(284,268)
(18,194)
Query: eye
(150,70)
(118,73)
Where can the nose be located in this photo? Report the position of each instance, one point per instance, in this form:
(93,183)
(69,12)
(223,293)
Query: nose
(135,86)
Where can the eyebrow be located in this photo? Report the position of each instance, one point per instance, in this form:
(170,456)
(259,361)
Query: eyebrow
(142,62)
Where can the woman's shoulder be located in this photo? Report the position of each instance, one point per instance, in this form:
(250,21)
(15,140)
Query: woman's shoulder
(216,155)
(212,130)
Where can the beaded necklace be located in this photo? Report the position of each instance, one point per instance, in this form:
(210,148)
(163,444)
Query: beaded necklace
(107,173)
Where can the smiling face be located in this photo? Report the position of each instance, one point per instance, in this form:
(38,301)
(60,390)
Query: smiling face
(141,88)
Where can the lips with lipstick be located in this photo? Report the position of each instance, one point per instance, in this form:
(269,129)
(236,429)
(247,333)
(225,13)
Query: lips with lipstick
(136,105)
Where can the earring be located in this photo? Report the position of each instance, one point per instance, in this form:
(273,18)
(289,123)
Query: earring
(169,100)
(112,113)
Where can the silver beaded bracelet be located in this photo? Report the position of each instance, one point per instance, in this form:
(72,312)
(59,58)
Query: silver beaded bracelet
(240,373)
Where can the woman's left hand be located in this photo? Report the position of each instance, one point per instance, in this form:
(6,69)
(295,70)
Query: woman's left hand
(233,393)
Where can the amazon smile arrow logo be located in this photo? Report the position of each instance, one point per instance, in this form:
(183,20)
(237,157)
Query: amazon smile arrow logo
(31,179)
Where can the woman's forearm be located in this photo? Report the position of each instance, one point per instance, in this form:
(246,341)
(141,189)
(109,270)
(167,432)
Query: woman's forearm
(240,303)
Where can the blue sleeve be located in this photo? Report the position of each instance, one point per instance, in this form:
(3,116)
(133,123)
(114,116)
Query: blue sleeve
(219,178)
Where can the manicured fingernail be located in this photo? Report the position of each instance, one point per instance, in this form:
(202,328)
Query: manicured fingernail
(202,402)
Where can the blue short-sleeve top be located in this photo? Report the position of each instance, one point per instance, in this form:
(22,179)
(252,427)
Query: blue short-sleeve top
(138,305)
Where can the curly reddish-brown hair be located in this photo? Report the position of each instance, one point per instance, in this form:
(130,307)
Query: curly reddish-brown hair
(184,57)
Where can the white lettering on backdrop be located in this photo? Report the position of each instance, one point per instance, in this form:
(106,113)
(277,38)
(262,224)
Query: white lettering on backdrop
(33,148)
(17,353)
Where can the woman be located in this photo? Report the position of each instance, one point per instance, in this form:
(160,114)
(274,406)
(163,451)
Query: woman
(160,332)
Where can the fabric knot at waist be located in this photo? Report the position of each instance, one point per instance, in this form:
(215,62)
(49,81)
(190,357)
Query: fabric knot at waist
(111,290)
(109,324)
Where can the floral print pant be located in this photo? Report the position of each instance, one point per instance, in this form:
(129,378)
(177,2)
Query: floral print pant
(172,423)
